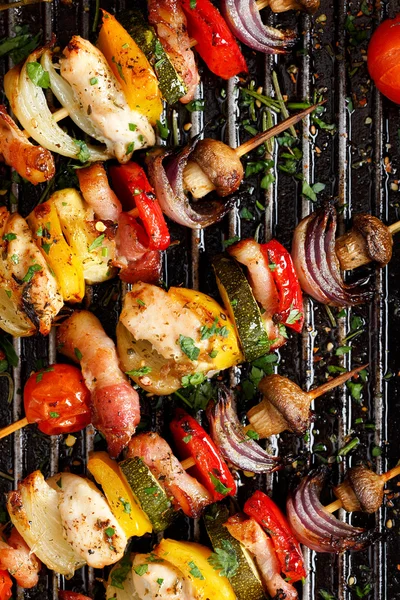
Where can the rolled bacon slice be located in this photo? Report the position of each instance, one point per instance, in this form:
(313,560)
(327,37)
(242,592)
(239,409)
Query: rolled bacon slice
(190,495)
(169,20)
(250,534)
(17,558)
(114,403)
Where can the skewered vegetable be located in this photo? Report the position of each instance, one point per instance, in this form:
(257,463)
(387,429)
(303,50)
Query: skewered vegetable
(29,104)
(169,21)
(89,525)
(285,406)
(290,309)
(17,558)
(131,68)
(209,467)
(192,560)
(215,43)
(315,527)
(67,595)
(5,585)
(160,579)
(47,232)
(29,293)
(136,194)
(383,52)
(249,254)
(261,508)
(119,494)
(241,571)
(249,533)
(163,337)
(317,265)
(34,163)
(278,6)
(149,493)
(230,437)
(115,406)
(362,490)
(245,22)
(237,297)
(33,509)
(170,82)
(186,492)
(368,240)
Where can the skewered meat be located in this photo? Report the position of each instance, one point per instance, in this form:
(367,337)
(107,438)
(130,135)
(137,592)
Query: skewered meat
(173,586)
(114,403)
(96,191)
(17,558)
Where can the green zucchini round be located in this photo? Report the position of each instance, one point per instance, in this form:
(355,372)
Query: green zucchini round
(245,582)
(242,307)
(151,496)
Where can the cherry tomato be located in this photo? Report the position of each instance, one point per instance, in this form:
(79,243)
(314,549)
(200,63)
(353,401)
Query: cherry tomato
(384,58)
(5,585)
(57,399)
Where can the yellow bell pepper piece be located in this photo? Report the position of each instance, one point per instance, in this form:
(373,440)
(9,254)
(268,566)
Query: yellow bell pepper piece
(192,560)
(130,516)
(47,233)
(226,349)
(131,67)
(93,249)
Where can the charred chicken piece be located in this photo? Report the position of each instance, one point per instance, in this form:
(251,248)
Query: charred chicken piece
(285,406)
(369,240)
(278,6)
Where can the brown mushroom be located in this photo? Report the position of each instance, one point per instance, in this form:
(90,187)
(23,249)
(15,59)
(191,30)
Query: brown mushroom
(368,240)
(362,490)
(285,406)
(278,6)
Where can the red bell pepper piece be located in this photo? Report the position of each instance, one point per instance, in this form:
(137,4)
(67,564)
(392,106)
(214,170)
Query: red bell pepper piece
(215,42)
(287,548)
(291,308)
(210,468)
(5,585)
(134,191)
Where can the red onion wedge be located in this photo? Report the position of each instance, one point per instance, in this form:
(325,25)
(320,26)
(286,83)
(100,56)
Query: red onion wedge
(166,176)
(230,437)
(244,20)
(316,263)
(317,528)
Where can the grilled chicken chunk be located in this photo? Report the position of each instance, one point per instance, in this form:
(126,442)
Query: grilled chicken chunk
(88,522)
(104,101)
(161,580)
(114,403)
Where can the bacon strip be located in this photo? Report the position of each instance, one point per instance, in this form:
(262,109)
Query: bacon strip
(96,191)
(169,20)
(16,557)
(190,495)
(114,403)
(249,533)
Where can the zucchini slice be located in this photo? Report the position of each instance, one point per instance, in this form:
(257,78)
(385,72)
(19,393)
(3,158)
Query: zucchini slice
(242,307)
(246,581)
(171,84)
(150,495)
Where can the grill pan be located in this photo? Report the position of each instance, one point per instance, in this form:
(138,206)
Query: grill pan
(357,164)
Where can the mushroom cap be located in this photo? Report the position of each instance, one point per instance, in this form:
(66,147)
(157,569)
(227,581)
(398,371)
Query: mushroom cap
(362,490)
(377,236)
(289,400)
(220,163)
(309,6)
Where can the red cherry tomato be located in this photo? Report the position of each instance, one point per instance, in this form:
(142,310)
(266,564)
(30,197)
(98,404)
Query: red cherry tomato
(384,58)
(5,585)
(57,399)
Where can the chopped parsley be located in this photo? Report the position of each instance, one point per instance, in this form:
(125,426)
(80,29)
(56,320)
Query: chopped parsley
(230,241)
(188,347)
(151,491)
(119,68)
(119,574)
(139,372)
(225,559)
(130,148)
(194,379)
(83,153)
(163,130)
(140,302)
(132,127)
(326,595)
(342,350)
(93,81)
(96,243)
(252,435)
(195,105)
(15,259)
(207,332)
(127,505)
(141,569)
(38,75)
(294,315)
(195,571)
(219,486)
(54,415)
(187,438)
(78,354)
(9,237)
(31,271)
(109,532)
(160,581)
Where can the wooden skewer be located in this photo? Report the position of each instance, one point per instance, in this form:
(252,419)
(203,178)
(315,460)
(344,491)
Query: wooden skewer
(394,227)
(188,462)
(385,477)
(335,382)
(21,3)
(13,427)
(58,115)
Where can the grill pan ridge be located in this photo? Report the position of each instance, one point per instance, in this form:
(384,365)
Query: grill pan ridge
(324,58)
